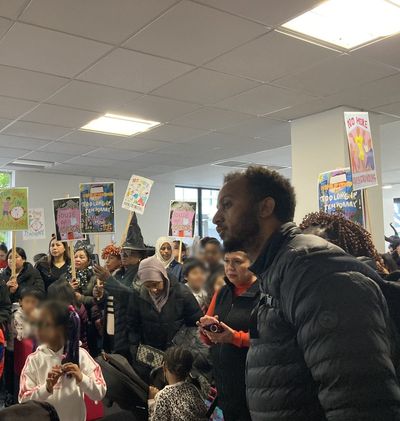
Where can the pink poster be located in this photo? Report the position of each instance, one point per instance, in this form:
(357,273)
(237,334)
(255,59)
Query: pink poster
(182,219)
(361,150)
(67,218)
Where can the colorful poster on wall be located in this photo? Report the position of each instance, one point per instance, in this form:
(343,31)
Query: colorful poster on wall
(361,150)
(14,209)
(182,219)
(137,194)
(67,217)
(336,194)
(97,207)
(36,229)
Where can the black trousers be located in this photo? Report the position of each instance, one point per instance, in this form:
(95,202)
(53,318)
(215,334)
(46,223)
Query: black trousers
(242,414)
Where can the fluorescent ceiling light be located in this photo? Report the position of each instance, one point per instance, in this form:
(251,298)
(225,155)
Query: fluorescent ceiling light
(349,23)
(387,187)
(119,125)
(29,163)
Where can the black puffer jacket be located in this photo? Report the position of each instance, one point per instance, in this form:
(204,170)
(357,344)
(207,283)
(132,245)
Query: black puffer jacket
(28,277)
(149,327)
(323,348)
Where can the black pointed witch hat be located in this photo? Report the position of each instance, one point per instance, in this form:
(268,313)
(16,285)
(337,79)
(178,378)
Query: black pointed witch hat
(134,237)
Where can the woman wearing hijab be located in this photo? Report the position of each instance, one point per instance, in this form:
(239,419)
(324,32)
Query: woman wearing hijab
(164,253)
(159,309)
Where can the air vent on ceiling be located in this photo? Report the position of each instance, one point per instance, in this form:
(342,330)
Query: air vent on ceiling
(244,165)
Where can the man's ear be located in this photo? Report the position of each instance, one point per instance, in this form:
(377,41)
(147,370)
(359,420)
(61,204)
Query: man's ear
(267,207)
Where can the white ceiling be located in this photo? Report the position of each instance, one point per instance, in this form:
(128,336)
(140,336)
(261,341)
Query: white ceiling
(217,75)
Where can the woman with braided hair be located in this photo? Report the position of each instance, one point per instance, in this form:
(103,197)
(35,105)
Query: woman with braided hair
(351,237)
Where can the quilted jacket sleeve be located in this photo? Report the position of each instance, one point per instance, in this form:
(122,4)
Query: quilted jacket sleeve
(341,321)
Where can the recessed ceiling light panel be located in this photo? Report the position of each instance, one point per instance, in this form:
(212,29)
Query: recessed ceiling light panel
(119,125)
(349,23)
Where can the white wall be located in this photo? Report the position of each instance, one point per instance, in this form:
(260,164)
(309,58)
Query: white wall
(45,187)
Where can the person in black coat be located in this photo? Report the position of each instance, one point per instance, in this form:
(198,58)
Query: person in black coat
(159,309)
(27,275)
(322,346)
(231,308)
(56,264)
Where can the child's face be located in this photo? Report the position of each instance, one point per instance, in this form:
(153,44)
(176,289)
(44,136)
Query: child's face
(47,332)
(81,260)
(196,279)
(28,304)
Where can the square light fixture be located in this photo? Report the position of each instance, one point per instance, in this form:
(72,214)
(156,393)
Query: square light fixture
(119,125)
(349,23)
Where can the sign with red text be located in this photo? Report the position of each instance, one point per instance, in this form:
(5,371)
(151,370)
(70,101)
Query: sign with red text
(361,150)
(182,219)
(67,217)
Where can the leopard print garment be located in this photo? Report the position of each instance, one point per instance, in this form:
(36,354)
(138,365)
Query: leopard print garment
(179,402)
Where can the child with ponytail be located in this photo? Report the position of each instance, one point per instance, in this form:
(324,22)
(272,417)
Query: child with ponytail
(60,372)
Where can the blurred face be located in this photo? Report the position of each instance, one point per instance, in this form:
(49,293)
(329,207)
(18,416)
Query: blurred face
(29,304)
(175,252)
(113,263)
(19,261)
(57,248)
(81,260)
(196,278)
(3,255)
(130,257)
(212,255)
(237,268)
(237,216)
(154,287)
(166,251)
(47,331)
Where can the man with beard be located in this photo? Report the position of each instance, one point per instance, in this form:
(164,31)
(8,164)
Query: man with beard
(322,348)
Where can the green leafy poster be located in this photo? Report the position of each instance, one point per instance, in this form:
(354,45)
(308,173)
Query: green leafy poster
(14,209)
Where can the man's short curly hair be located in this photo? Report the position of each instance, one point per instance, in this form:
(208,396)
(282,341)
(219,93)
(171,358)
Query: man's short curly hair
(263,183)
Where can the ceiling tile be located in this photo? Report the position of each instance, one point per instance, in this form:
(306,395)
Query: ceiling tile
(117,154)
(36,130)
(270,12)
(196,36)
(204,87)
(157,109)
(60,116)
(68,169)
(11,9)
(135,71)
(27,84)
(264,128)
(385,51)
(393,109)
(13,108)
(92,139)
(48,156)
(173,134)
(34,48)
(263,100)
(87,160)
(335,75)
(68,148)
(90,96)
(271,56)
(4,122)
(13,152)
(210,119)
(98,19)
(138,144)
(5,25)
(21,142)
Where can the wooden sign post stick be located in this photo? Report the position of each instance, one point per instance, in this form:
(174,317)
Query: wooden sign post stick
(13,254)
(180,251)
(128,222)
(71,252)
